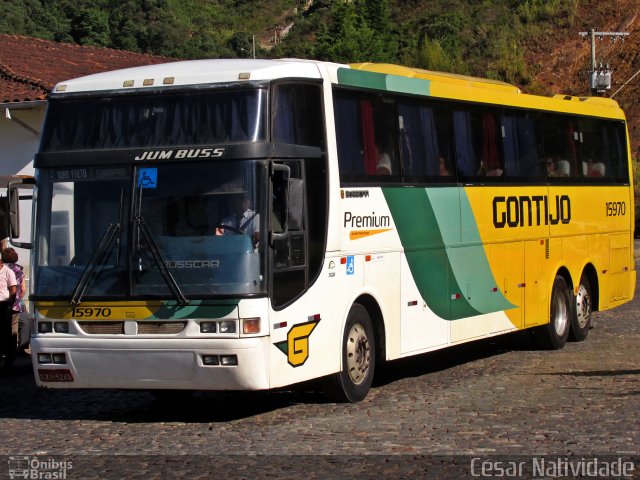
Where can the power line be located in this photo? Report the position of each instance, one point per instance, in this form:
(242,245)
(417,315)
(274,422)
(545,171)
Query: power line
(626,83)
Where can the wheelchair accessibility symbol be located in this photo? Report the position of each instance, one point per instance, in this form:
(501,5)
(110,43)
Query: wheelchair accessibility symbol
(148,178)
(351,265)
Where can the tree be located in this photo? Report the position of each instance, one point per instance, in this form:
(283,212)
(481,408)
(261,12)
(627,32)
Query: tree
(91,27)
(348,37)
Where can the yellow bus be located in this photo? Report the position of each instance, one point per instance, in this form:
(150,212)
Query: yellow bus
(251,224)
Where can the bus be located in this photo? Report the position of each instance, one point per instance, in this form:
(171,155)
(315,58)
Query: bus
(254,224)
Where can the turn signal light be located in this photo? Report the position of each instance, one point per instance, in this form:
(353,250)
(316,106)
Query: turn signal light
(251,325)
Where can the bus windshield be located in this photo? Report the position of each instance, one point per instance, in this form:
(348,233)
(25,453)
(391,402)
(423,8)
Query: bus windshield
(162,230)
(156,120)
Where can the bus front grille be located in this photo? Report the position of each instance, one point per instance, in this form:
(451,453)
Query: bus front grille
(144,328)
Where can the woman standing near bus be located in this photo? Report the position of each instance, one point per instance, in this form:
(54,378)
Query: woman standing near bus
(8,292)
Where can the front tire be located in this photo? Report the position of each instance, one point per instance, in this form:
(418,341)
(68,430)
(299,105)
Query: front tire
(554,335)
(354,380)
(581,318)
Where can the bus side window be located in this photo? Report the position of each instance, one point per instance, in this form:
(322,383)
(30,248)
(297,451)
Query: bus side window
(425,141)
(560,146)
(298,114)
(346,109)
(598,150)
(491,162)
(379,127)
(367,136)
(478,149)
(519,143)
(616,143)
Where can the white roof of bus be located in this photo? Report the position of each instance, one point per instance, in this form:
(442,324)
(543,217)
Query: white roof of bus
(192,72)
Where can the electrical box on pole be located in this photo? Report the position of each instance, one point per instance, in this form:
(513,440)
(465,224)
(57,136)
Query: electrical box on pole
(600,77)
(601,80)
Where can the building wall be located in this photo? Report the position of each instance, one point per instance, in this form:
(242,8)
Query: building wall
(17,148)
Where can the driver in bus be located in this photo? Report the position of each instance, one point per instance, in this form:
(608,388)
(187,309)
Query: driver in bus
(242,220)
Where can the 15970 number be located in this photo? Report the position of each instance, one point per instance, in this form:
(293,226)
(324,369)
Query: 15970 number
(616,209)
(88,312)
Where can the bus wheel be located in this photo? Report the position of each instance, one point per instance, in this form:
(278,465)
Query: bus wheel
(553,335)
(581,319)
(353,382)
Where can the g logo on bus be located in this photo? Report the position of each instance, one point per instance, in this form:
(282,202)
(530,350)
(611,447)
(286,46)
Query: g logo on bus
(296,347)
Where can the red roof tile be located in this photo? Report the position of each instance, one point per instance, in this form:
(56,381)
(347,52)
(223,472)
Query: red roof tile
(30,67)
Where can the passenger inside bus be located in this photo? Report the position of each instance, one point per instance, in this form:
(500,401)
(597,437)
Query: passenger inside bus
(444,170)
(593,169)
(384,161)
(557,167)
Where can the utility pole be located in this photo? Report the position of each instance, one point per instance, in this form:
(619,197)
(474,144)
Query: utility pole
(599,76)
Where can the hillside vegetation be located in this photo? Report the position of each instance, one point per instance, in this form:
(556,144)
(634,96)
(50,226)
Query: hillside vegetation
(531,43)
(479,38)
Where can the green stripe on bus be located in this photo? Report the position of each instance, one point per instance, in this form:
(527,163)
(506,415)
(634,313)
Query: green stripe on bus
(358,78)
(414,86)
(382,81)
(195,309)
(440,270)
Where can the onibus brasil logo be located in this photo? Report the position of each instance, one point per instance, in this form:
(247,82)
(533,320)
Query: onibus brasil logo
(296,346)
(38,468)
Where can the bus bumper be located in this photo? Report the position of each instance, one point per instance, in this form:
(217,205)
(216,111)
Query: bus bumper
(181,364)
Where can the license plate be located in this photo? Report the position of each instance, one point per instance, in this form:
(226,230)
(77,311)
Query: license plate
(60,375)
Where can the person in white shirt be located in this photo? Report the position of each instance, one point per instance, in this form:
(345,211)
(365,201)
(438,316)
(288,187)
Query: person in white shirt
(8,290)
(242,220)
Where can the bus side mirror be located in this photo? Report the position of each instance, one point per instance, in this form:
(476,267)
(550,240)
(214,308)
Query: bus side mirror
(13,204)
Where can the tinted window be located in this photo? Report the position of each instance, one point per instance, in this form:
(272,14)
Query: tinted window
(155,120)
(426,141)
(298,115)
(367,136)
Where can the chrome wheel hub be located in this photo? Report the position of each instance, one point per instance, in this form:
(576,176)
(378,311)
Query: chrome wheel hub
(583,306)
(358,354)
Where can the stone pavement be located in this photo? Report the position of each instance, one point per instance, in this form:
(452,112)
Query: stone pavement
(497,398)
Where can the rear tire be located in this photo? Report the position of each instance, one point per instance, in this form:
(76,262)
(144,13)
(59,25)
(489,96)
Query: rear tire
(354,380)
(554,335)
(581,318)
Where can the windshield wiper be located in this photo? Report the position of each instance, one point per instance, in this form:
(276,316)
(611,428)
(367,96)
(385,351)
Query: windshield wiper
(157,257)
(98,258)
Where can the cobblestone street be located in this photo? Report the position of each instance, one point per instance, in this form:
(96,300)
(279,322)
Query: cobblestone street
(491,398)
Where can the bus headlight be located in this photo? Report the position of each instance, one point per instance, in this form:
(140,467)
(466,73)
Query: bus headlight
(44,358)
(61,327)
(210,360)
(208,327)
(45,327)
(227,326)
(229,360)
(59,358)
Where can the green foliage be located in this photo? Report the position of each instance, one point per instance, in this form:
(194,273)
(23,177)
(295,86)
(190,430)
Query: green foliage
(431,56)
(90,26)
(350,36)
(552,11)
(479,37)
